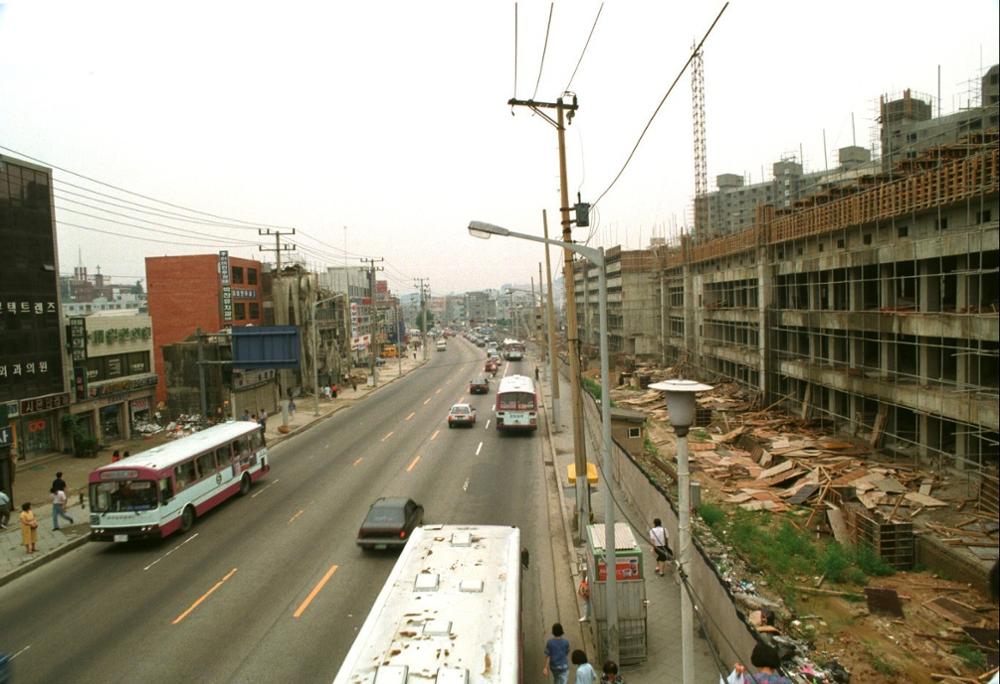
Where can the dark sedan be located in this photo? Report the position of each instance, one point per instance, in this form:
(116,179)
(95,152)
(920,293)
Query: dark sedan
(389,523)
(480,385)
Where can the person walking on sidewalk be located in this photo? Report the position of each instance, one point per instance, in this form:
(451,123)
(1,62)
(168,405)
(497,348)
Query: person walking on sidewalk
(4,509)
(766,659)
(59,483)
(263,426)
(59,508)
(29,527)
(585,673)
(611,675)
(557,656)
(658,538)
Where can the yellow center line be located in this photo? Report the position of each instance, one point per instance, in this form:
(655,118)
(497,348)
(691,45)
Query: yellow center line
(203,597)
(357,462)
(427,401)
(387,436)
(411,415)
(435,435)
(312,594)
(413,463)
(292,519)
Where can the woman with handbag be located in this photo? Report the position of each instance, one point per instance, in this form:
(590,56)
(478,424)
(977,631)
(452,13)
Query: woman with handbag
(29,527)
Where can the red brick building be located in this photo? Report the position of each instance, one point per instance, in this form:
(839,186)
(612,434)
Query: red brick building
(207,291)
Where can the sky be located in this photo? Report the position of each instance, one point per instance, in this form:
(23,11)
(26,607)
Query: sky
(383,126)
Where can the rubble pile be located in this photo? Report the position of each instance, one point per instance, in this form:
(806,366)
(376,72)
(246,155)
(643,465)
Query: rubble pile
(185,425)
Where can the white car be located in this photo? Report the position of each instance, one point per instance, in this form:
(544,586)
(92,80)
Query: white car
(461,414)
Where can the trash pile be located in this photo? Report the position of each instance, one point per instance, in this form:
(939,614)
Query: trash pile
(147,430)
(185,425)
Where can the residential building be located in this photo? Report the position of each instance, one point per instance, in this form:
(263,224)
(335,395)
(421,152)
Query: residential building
(34,379)
(480,307)
(355,281)
(83,294)
(206,291)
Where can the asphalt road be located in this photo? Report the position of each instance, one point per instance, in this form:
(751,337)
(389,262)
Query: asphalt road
(229,600)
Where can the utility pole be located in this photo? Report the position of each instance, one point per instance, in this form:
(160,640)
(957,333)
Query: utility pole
(421,284)
(278,296)
(553,356)
(371,315)
(565,112)
(278,247)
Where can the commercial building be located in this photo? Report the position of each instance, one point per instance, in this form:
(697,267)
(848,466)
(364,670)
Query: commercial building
(33,380)
(83,294)
(480,307)
(206,291)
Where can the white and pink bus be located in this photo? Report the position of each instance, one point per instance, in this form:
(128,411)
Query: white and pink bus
(516,405)
(159,491)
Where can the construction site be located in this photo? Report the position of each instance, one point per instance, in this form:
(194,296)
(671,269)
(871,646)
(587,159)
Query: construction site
(851,333)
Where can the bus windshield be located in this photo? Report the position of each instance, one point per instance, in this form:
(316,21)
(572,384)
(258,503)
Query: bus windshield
(123,495)
(510,401)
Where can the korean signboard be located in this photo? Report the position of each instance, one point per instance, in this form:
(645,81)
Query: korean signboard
(227,289)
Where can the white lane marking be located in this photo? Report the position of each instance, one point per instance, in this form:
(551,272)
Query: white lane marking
(465,485)
(487,424)
(261,491)
(191,538)
(20,652)
(479,448)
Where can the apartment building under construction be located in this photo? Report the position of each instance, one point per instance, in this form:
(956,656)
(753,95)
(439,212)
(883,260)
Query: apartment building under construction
(872,302)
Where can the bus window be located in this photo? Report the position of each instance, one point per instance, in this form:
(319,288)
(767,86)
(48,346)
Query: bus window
(243,449)
(166,490)
(256,441)
(124,495)
(185,474)
(223,457)
(206,465)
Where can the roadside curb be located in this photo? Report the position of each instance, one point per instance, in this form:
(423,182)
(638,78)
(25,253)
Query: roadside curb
(46,558)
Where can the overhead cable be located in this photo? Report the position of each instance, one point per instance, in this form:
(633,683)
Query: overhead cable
(545,47)
(585,45)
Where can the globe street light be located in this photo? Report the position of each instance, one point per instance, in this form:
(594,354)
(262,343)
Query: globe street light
(484,231)
(680,408)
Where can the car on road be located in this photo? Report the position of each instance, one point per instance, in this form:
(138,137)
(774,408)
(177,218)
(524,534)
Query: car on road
(389,523)
(461,414)
(479,385)
(491,366)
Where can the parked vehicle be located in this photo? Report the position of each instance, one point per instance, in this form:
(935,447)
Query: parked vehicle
(389,523)
(461,414)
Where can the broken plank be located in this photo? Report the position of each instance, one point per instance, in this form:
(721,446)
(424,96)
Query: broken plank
(839,527)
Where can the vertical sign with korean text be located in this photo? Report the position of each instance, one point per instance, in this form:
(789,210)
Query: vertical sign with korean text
(227,290)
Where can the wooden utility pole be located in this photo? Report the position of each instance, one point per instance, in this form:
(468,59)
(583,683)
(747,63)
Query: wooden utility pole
(278,247)
(566,111)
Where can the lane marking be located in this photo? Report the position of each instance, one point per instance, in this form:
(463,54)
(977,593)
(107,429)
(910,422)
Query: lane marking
(203,597)
(292,519)
(427,401)
(487,424)
(413,463)
(479,448)
(260,491)
(191,538)
(20,652)
(465,485)
(358,461)
(438,391)
(434,436)
(411,415)
(312,594)
(387,436)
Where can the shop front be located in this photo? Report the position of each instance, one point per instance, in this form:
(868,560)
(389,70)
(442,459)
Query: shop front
(38,425)
(116,407)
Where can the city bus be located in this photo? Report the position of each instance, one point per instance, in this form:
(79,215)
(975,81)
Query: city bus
(516,405)
(450,612)
(161,490)
(513,350)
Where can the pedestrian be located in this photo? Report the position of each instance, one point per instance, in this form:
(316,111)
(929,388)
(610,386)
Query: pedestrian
(4,509)
(59,508)
(354,383)
(557,656)
(115,456)
(58,483)
(610,675)
(29,527)
(766,660)
(263,426)
(658,538)
(536,373)
(246,415)
(126,454)
(584,671)
(291,407)
(583,591)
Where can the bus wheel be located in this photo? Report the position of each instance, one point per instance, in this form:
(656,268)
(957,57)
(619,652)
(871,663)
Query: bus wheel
(187,519)
(245,485)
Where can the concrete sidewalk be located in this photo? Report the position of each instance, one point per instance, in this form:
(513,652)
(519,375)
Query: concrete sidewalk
(33,480)
(663,637)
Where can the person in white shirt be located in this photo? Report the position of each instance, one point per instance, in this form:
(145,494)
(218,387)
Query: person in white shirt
(59,508)
(658,538)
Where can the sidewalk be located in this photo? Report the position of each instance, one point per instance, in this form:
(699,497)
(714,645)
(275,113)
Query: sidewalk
(32,480)
(663,636)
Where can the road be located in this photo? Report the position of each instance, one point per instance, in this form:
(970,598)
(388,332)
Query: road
(229,601)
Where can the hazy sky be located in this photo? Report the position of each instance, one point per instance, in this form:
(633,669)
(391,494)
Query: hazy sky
(390,118)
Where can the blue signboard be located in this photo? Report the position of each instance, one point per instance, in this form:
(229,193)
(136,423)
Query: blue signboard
(275,346)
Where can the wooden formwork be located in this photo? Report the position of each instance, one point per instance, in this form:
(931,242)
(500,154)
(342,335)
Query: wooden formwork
(989,491)
(893,541)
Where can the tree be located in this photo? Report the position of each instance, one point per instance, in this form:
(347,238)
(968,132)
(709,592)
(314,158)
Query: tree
(138,287)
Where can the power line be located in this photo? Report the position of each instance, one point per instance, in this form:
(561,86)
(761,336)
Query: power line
(137,194)
(215,245)
(515,50)
(545,47)
(162,230)
(659,106)
(585,45)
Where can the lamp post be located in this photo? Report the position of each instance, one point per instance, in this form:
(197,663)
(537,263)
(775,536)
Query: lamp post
(595,256)
(680,407)
(315,336)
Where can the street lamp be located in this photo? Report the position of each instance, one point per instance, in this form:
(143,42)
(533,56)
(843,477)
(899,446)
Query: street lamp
(484,231)
(315,336)
(680,408)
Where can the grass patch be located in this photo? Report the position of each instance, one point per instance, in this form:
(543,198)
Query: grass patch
(711,514)
(971,656)
(593,388)
(871,563)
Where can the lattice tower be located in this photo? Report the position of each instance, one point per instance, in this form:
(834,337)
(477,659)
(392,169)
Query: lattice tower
(700,152)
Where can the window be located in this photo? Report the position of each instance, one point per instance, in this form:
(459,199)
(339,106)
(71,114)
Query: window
(138,362)
(206,465)
(634,433)
(166,490)
(237,275)
(223,457)
(942,223)
(902,231)
(243,448)
(239,311)
(254,310)
(983,216)
(251,276)
(867,239)
(185,475)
